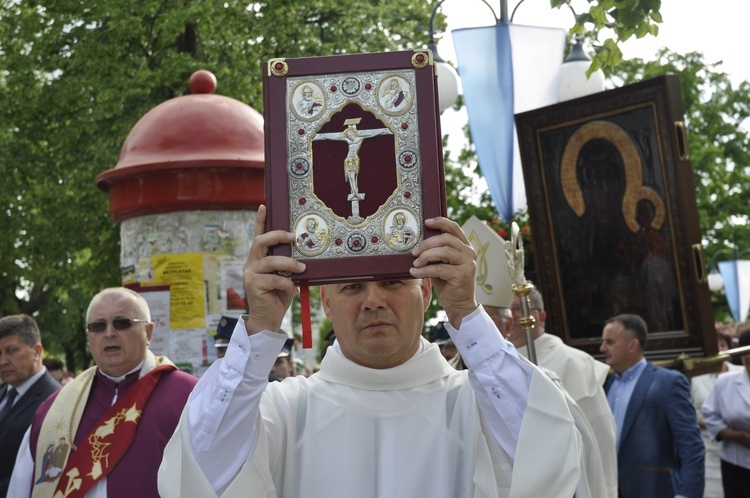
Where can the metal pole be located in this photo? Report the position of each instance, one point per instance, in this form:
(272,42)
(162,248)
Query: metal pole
(527,320)
(522,288)
(503,5)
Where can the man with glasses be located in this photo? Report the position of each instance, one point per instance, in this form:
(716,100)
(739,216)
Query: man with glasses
(27,384)
(102,435)
(564,365)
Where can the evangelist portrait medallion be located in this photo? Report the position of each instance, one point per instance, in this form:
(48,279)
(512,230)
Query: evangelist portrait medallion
(307,100)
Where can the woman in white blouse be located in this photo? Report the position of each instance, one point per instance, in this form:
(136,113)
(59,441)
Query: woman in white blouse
(700,387)
(726,414)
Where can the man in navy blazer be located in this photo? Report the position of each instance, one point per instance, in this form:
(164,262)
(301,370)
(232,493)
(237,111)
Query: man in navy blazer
(27,384)
(660,452)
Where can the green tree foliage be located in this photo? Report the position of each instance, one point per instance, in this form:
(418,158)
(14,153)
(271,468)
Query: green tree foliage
(76,76)
(716,116)
(614,20)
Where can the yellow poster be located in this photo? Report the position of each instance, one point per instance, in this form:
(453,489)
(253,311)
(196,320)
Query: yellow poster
(184,275)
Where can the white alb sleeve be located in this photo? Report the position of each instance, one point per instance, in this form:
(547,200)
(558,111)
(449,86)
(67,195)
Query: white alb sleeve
(500,378)
(223,407)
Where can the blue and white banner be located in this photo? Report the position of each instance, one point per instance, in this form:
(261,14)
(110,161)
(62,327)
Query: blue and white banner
(506,69)
(736,275)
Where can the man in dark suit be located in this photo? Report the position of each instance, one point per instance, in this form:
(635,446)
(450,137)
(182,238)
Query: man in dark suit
(660,451)
(27,384)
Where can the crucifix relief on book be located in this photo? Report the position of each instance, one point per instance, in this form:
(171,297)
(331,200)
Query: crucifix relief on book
(353,139)
(353,160)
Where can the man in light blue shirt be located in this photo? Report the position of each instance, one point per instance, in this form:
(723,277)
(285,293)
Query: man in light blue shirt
(660,451)
(620,391)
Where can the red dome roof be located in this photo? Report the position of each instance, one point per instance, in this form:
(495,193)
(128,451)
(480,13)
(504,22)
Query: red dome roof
(199,151)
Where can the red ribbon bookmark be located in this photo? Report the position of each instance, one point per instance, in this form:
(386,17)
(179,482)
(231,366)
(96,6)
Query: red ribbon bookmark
(304,296)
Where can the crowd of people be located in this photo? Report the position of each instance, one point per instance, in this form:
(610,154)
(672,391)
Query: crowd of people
(462,412)
(101,434)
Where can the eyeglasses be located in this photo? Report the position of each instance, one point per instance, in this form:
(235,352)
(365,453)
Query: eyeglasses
(118,324)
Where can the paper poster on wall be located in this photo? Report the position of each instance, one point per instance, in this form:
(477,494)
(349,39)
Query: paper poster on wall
(211,274)
(189,346)
(128,275)
(222,238)
(157,298)
(212,237)
(144,271)
(184,274)
(231,286)
(212,322)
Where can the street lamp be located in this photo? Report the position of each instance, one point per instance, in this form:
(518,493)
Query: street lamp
(715,280)
(574,82)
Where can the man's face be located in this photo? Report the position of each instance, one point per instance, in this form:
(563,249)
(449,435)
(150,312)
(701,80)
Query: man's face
(517,334)
(18,361)
(378,324)
(619,346)
(116,352)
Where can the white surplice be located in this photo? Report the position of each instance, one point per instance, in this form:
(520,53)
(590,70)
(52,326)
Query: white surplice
(500,429)
(582,377)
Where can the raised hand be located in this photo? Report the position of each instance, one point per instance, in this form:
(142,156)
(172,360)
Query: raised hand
(450,261)
(269,292)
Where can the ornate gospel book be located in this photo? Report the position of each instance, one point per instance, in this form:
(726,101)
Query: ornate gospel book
(614,218)
(354,161)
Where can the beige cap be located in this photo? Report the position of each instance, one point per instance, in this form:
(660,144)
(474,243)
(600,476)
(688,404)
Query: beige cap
(493,283)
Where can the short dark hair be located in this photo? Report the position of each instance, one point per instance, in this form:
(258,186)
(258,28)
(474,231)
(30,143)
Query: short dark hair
(22,325)
(52,363)
(633,324)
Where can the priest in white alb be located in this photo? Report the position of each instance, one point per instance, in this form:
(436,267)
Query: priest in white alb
(593,417)
(385,410)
